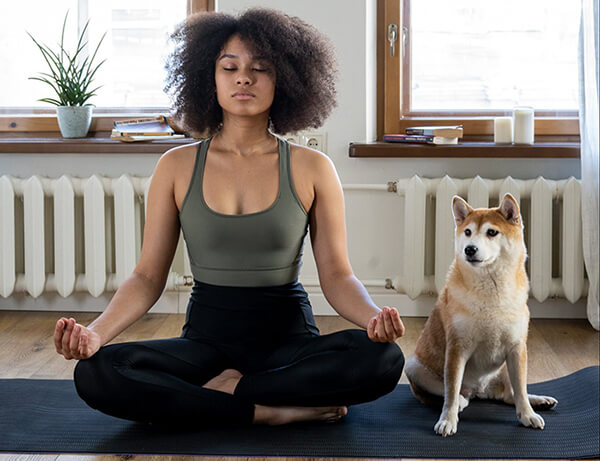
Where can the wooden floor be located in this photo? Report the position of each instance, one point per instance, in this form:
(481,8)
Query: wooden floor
(556,348)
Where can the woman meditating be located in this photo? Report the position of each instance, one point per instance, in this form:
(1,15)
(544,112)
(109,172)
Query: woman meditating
(245,199)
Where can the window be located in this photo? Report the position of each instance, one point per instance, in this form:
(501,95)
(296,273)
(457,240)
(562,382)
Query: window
(468,61)
(135,47)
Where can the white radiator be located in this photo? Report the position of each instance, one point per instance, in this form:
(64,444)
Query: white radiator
(112,213)
(113,210)
(541,195)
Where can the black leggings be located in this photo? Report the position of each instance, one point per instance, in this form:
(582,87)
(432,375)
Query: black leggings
(266,333)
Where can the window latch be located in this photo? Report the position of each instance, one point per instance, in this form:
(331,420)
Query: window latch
(392,37)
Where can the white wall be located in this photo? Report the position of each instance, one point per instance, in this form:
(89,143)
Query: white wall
(372,218)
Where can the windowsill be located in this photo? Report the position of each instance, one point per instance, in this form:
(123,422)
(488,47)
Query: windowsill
(100,142)
(466,149)
(94,143)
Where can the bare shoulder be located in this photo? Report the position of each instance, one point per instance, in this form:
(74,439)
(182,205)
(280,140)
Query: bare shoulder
(311,162)
(176,156)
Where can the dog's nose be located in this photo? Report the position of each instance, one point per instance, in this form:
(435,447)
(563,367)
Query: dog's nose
(470,250)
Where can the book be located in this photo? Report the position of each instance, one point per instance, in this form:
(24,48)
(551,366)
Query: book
(149,126)
(419,139)
(115,135)
(455,131)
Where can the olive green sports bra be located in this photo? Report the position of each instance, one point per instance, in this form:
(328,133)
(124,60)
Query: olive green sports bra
(255,249)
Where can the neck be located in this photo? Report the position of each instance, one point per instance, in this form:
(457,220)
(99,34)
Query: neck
(245,135)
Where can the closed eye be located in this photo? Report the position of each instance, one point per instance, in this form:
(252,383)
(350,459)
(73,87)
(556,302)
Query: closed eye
(231,69)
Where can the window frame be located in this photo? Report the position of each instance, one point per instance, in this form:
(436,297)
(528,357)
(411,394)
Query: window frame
(44,120)
(393,90)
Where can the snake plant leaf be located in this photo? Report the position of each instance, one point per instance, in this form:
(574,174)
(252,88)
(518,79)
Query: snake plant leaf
(51,101)
(68,78)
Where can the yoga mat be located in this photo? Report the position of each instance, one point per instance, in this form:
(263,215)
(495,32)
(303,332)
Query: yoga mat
(47,416)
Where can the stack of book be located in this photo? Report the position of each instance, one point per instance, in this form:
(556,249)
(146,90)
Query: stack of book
(428,135)
(143,129)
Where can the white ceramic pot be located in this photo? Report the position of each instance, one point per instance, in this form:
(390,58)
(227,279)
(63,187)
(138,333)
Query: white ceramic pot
(74,121)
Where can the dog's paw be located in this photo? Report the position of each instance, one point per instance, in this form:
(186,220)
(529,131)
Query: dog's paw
(542,402)
(531,420)
(446,426)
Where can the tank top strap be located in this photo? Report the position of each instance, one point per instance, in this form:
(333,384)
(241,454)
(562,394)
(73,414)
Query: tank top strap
(286,183)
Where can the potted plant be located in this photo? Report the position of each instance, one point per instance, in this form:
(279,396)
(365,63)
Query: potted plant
(71,81)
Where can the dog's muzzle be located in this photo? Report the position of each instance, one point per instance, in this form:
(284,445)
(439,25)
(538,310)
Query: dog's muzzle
(470,252)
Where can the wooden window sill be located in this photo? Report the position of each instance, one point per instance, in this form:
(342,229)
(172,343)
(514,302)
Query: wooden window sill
(94,143)
(466,150)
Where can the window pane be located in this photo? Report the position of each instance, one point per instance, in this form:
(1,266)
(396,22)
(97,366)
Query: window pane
(20,57)
(136,46)
(474,55)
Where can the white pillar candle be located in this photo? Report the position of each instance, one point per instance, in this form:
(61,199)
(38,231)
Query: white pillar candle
(503,130)
(523,121)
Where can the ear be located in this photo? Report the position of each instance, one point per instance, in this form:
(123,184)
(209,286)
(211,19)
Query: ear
(460,209)
(509,208)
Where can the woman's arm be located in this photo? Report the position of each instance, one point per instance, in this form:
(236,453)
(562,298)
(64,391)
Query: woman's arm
(346,294)
(144,286)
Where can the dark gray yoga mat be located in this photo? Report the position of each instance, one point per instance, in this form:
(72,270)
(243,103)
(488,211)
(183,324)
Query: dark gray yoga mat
(47,416)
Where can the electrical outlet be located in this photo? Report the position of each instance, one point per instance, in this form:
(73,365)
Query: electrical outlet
(292,138)
(314,140)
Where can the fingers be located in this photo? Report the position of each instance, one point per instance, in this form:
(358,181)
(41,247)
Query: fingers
(66,339)
(398,325)
(74,341)
(71,340)
(386,326)
(83,346)
(58,334)
(371,329)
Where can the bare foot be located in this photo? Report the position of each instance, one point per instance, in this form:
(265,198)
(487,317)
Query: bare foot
(228,380)
(225,382)
(284,415)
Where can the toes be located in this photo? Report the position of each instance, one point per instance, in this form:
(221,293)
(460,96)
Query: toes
(542,402)
(445,427)
(334,414)
(333,419)
(532,420)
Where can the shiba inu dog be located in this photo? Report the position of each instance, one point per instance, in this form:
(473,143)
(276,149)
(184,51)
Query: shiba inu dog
(474,342)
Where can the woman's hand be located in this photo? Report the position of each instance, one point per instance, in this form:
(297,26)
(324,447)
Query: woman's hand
(74,341)
(386,326)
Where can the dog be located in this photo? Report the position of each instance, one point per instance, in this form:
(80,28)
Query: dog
(474,343)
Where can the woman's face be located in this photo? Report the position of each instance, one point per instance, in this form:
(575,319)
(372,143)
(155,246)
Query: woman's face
(245,82)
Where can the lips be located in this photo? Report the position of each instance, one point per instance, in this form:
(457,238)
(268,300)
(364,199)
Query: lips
(243,95)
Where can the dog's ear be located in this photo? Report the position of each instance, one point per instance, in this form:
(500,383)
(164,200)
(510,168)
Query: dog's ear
(509,208)
(460,209)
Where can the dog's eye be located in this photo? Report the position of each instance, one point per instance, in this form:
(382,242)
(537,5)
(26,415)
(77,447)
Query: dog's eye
(468,232)
(492,232)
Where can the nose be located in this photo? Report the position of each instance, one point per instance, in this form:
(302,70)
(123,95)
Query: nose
(243,79)
(470,250)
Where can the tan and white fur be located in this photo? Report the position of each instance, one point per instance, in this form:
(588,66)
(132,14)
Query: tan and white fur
(474,343)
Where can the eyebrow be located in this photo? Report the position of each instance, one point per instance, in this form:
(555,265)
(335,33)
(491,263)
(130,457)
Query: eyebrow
(233,56)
